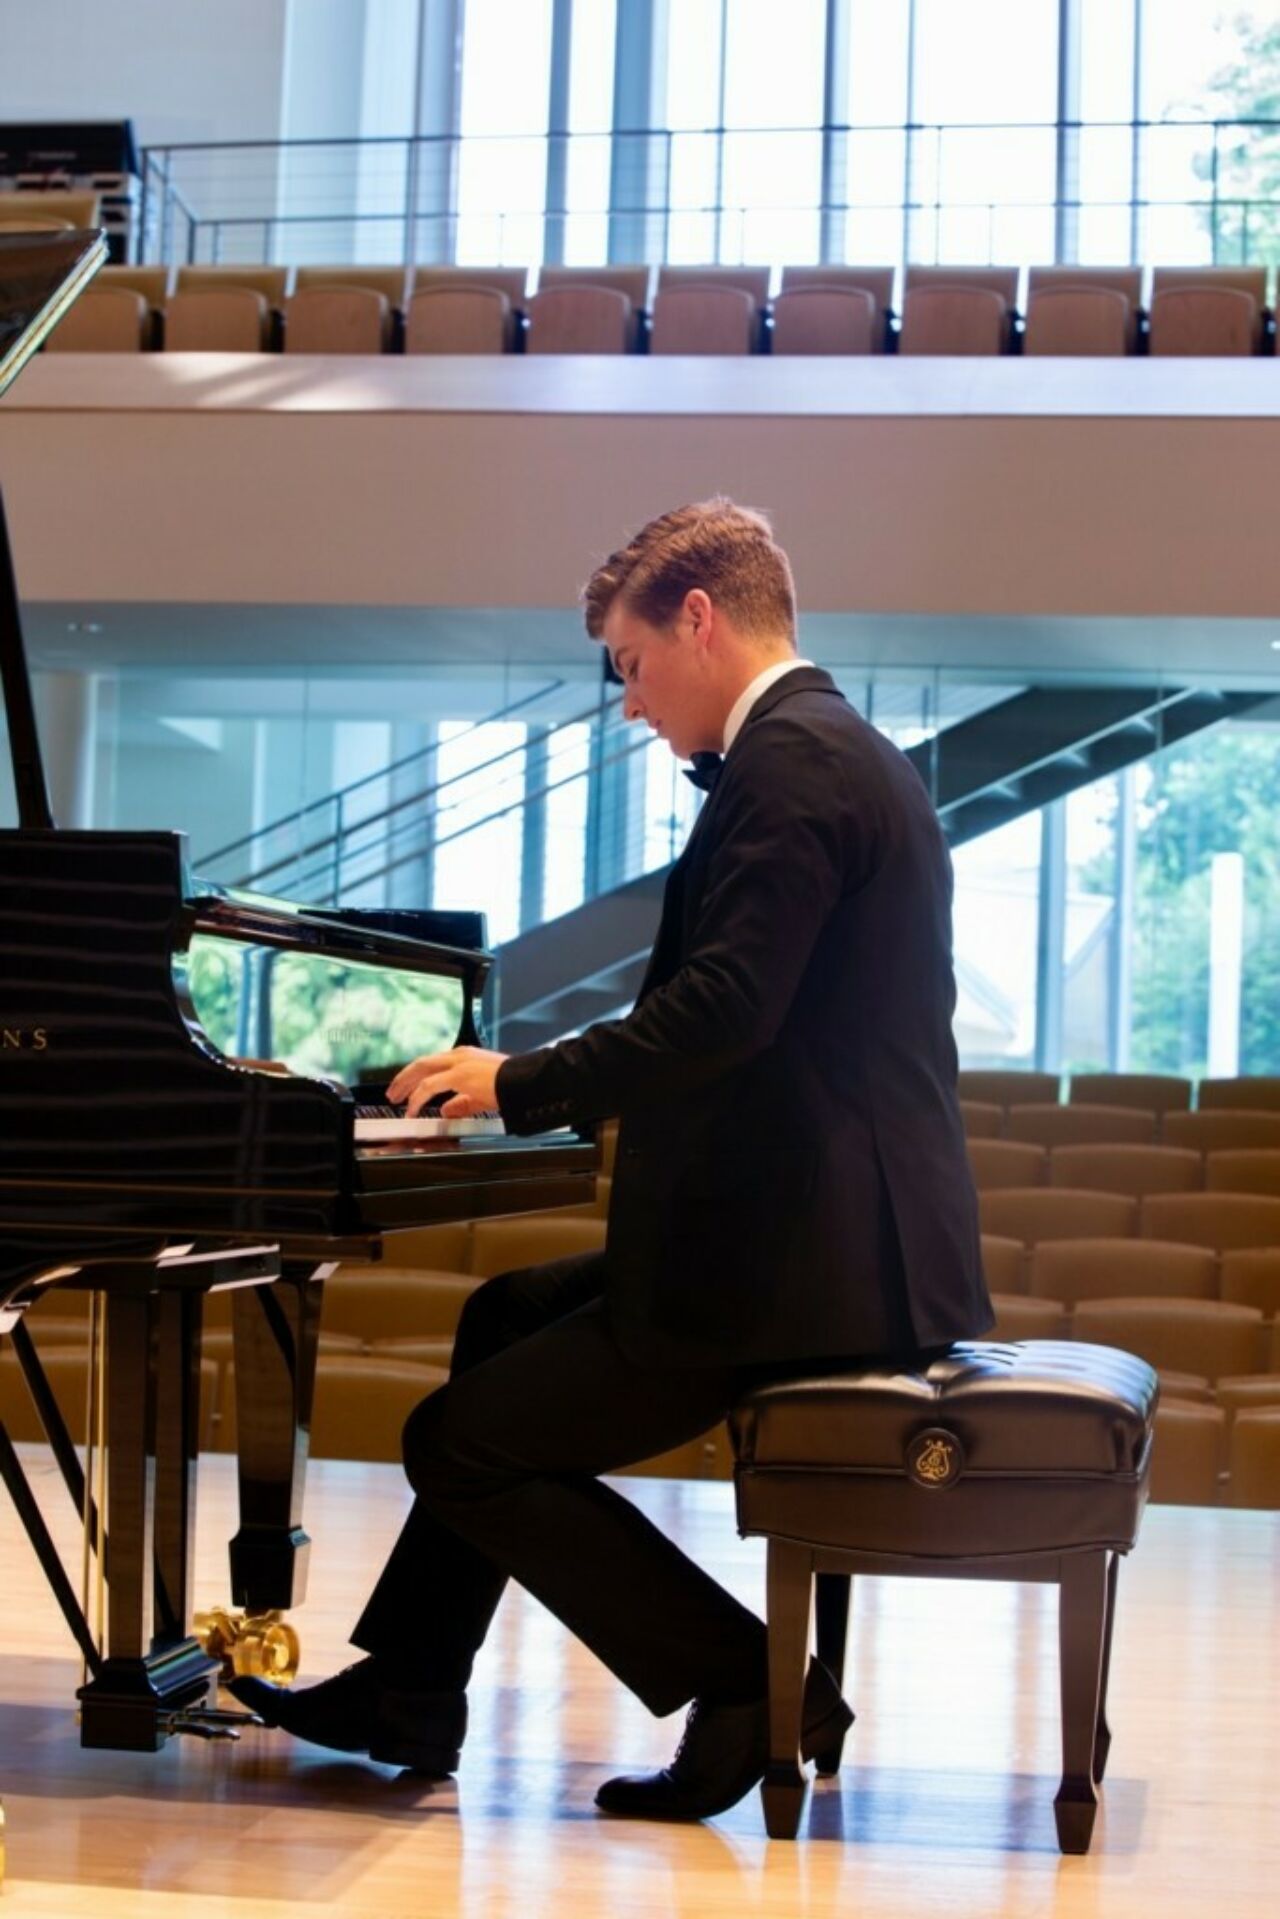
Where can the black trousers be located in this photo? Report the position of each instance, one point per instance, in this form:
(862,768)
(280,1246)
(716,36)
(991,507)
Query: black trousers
(503,1460)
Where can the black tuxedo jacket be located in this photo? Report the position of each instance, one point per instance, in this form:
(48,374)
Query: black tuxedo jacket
(791,1180)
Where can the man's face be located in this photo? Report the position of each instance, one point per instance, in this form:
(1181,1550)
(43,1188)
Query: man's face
(669,677)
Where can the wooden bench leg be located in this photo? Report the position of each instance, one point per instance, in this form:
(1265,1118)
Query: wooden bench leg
(1102,1734)
(1082,1616)
(790,1584)
(832,1593)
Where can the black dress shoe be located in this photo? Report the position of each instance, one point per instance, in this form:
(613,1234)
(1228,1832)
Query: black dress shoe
(724,1753)
(358,1711)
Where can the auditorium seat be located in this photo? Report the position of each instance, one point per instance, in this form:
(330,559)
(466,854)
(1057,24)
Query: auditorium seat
(418,1350)
(103,320)
(1222,1130)
(1157,1092)
(1205,1336)
(57,1332)
(1005,1087)
(390,282)
(441,1249)
(1079,1125)
(1186,1452)
(1002,281)
(1078,322)
(1120,1168)
(1019,1317)
(376,1303)
(753,281)
(1244,1171)
(271,282)
(703,319)
(1221,1220)
(1033,1213)
(511,282)
(527,1239)
(824,320)
(67,1371)
(953,320)
(1198,322)
(1187,1386)
(151,282)
(341,319)
(981,1119)
(1253,1458)
(50,210)
(362,1403)
(1124,280)
(635,283)
(1258,1092)
(1004,1263)
(216,320)
(1207,310)
(1240,1392)
(580,320)
(1076,1269)
(217,1348)
(877,281)
(1250,1275)
(62,1302)
(459,320)
(1007,1162)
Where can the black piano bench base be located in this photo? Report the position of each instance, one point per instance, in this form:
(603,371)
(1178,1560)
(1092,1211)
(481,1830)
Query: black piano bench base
(133,1703)
(1025,1463)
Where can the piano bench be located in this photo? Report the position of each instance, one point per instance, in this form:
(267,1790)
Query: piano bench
(1009,1462)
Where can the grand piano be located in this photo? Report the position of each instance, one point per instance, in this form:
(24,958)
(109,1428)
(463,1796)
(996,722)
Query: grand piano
(190,1101)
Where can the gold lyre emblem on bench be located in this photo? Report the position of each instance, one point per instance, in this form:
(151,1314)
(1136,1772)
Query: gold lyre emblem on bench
(935,1458)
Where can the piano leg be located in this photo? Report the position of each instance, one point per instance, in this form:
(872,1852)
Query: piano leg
(152,1670)
(276,1334)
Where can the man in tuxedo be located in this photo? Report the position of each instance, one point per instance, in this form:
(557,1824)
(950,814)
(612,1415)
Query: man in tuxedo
(791,1191)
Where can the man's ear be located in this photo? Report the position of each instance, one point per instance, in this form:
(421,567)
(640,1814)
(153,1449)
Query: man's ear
(698,611)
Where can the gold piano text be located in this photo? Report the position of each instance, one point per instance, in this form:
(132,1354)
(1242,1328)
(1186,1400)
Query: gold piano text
(24,1039)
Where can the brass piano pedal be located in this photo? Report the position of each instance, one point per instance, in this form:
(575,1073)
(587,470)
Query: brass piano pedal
(250,1645)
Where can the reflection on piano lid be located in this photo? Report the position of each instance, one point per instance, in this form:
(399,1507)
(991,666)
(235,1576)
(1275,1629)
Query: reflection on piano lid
(41,274)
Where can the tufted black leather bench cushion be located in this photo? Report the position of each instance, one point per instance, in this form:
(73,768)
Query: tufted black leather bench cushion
(1049,1453)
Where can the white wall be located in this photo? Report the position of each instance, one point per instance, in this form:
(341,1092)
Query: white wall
(1008,488)
(180,69)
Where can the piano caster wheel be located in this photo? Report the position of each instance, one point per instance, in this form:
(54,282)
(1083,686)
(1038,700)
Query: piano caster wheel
(255,1645)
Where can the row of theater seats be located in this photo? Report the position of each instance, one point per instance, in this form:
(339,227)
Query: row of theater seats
(1092,311)
(1124,1217)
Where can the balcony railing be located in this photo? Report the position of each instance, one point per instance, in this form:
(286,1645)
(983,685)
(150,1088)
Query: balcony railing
(1032,192)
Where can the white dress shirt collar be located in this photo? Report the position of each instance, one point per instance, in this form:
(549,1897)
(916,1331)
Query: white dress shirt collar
(751,693)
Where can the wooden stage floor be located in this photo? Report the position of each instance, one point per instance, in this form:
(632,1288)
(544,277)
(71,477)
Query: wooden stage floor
(944,1808)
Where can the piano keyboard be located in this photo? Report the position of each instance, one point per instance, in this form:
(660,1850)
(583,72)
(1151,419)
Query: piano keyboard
(380,1124)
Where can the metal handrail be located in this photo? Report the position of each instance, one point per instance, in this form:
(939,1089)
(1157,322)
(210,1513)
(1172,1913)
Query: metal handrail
(656,216)
(392,767)
(368,876)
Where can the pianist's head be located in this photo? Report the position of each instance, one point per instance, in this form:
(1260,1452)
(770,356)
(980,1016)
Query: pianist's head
(691,609)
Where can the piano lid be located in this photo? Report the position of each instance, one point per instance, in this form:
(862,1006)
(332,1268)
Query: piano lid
(41,274)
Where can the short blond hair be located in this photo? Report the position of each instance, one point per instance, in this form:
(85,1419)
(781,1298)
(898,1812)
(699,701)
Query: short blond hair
(727,550)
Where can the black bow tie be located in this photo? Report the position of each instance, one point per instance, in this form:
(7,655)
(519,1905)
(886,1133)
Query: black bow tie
(705,771)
